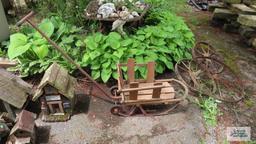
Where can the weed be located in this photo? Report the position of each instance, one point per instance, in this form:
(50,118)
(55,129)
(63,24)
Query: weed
(210,110)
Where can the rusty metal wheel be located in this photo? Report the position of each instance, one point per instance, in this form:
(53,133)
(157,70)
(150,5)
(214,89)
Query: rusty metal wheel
(113,91)
(189,72)
(229,86)
(203,49)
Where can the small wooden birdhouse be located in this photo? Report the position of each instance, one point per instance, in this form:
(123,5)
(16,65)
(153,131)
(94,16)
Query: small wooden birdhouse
(23,132)
(56,94)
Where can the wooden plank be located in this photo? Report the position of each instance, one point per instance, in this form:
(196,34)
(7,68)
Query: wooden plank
(149,96)
(9,110)
(150,86)
(120,76)
(133,95)
(151,102)
(7,64)
(51,108)
(130,70)
(142,88)
(139,65)
(157,92)
(151,72)
(61,107)
(52,97)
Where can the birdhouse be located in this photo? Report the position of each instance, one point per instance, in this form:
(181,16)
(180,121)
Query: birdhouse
(23,132)
(56,94)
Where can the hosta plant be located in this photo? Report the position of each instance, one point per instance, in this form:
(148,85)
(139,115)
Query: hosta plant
(165,43)
(35,54)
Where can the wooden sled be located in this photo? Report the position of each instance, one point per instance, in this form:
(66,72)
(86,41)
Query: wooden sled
(146,96)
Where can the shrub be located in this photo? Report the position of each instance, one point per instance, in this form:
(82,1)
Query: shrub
(35,54)
(165,43)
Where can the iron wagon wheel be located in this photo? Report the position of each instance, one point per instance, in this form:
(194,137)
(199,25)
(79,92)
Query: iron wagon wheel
(230,87)
(189,72)
(181,92)
(203,49)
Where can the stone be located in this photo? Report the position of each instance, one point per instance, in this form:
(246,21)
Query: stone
(131,17)
(220,13)
(253,6)
(113,15)
(213,6)
(247,32)
(124,15)
(124,8)
(106,9)
(232,1)
(218,22)
(135,14)
(249,2)
(242,9)
(254,42)
(247,20)
(232,27)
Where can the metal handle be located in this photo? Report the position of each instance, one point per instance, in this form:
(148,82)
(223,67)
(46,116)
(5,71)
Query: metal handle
(25,18)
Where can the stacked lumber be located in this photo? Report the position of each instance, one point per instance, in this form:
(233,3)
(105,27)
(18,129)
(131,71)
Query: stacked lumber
(236,16)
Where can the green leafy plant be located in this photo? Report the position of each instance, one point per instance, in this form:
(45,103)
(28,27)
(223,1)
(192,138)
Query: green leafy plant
(165,43)
(210,110)
(35,54)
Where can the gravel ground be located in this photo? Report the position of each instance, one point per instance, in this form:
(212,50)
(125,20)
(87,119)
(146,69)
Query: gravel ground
(99,126)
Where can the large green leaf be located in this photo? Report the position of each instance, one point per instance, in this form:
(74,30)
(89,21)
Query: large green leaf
(90,43)
(106,74)
(95,74)
(126,42)
(98,37)
(47,27)
(41,51)
(86,58)
(115,35)
(18,45)
(118,53)
(113,42)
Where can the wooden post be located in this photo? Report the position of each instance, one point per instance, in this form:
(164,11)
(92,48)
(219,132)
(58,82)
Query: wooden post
(151,72)
(9,110)
(134,94)
(130,70)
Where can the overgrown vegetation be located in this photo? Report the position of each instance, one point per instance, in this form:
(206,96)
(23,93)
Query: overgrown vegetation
(165,39)
(210,110)
(35,54)
(165,43)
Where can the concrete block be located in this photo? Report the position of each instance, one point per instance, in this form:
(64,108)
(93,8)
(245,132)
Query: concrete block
(247,32)
(253,6)
(242,9)
(232,27)
(249,2)
(224,14)
(254,42)
(247,20)
(213,6)
(232,1)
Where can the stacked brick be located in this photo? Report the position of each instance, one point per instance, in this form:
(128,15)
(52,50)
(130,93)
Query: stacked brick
(237,16)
